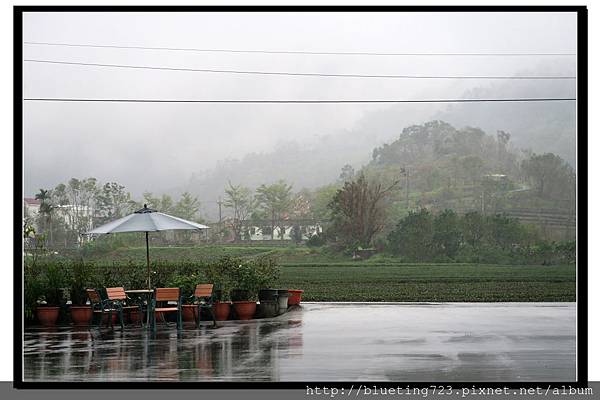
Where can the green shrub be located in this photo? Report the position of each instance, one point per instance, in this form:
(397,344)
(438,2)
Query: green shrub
(316,241)
(53,283)
(78,282)
(33,290)
(186,282)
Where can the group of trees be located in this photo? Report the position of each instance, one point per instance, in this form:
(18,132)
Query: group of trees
(76,206)
(446,236)
(422,236)
(448,168)
(275,203)
(551,176)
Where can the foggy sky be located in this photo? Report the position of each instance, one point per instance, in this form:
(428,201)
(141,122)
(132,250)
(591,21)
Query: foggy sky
(156,147)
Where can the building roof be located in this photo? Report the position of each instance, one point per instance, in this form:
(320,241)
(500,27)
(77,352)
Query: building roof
(31,201)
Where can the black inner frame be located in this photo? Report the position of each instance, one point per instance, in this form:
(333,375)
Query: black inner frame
(581,217)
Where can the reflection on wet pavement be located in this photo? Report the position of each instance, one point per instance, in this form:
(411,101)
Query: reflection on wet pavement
(324,342)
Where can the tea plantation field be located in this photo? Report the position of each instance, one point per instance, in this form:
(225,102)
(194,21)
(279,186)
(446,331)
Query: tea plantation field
(431,282)
(327,276)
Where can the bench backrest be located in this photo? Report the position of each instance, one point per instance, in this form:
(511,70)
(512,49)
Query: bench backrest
(94,296)
(203,290)
(116,293)
(167,294)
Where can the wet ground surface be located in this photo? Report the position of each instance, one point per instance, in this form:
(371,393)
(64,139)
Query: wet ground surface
(324,342)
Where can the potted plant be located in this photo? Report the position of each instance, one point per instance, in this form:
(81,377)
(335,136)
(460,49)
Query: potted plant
(246,281)
(53,282)
(268,274)
(219,274)
(187,283)
(33,290)
(81,312)
(221,307)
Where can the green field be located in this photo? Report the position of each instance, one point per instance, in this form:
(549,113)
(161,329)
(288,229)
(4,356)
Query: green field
(431,282)
(327,276)
(284,254)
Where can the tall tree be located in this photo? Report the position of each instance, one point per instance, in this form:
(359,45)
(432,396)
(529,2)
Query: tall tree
(358,211)
(81,194)
(187,207)
(239,199)
(46,211)
(275,200)
(164,203)
(447,235)
(347,173)
(413,236)
(112,202)
(551,175)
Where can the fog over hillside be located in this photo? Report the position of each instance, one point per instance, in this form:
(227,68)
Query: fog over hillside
(171,148)
(317,161)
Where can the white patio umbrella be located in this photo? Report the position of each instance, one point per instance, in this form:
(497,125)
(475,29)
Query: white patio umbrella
(147,220)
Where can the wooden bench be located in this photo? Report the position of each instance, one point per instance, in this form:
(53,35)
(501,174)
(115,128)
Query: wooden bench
(160,304)
(119,301)
(203,297)
(100,306)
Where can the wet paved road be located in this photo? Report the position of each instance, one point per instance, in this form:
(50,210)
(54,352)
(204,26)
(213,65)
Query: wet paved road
(325,342)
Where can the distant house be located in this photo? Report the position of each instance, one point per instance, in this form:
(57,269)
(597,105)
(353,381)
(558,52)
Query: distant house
(31,209)
(262,230)
(257,231)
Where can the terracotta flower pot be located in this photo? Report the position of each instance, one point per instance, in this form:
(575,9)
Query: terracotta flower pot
(115,318)
(81,315)
(295,297)
(189,311)
(244,309)
(135,316)
(47,315)
(221,310)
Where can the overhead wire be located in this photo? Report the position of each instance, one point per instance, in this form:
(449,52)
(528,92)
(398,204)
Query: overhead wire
(304,74)
(339,53)
(268,101)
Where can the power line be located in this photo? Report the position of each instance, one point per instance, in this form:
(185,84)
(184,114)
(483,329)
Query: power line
(230,71)
(337,53)
(92,100)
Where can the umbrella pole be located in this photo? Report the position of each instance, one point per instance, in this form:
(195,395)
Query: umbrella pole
(148,259)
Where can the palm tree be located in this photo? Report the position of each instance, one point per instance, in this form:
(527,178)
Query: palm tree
(46,209)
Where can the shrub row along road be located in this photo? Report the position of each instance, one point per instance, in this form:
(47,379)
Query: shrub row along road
(431,282)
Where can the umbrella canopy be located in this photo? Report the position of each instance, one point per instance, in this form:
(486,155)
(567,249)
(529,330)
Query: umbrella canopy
(147,220)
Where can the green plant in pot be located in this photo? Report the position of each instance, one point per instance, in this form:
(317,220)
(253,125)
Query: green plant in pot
(219,273)
(33,291)
(53,281)
(81,313)
(267,275)
(187,283)
(247,282)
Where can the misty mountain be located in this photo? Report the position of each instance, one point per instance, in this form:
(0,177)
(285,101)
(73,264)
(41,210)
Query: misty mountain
(539,127)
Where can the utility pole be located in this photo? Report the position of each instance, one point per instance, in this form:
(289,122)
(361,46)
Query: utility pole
(483,202)
(407,175)
(220,203)
(407,187)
